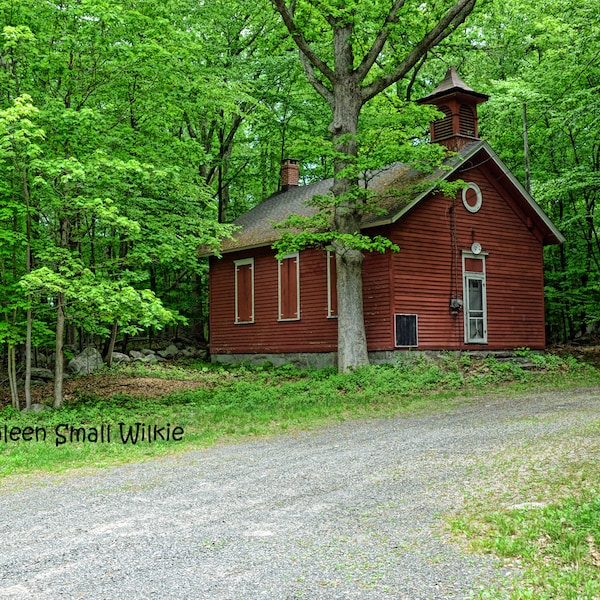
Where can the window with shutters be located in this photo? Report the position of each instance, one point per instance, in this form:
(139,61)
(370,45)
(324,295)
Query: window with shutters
(331,286)
(244,290)
(289,287)
(475,306)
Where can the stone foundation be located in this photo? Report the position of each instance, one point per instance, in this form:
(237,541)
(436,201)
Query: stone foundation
(320,360)
(300,360)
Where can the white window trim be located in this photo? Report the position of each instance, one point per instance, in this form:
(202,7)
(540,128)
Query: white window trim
(240,263)
(481,276)
(330,284)
(295,255)
(479,198)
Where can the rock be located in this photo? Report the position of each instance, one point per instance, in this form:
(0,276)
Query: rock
(136,355)
(36,408)
(119,357)
(149,358)
(194,352)
(87,362)
(147,351)
(528,506)
(169,352)
(41,374)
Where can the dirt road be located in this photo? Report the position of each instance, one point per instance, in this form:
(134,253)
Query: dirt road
(351,511)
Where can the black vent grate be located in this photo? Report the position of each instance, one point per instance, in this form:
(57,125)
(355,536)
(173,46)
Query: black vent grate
(406,331)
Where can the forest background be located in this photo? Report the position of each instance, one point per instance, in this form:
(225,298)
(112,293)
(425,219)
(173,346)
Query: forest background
(132,132)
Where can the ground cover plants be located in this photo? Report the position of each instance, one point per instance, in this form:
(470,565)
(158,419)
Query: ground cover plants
(539,509)
(212,403)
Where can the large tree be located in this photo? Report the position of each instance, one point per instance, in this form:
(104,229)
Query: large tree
(352,50)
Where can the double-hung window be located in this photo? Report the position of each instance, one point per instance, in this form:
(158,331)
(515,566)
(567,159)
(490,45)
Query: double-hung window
(244,290)
(475,308)
(289,287)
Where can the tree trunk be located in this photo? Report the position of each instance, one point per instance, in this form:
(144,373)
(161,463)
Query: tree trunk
(71,335)
(28,358)
(352,338)
(59,366)
(111,345)
(12,376)
(199,323)
(28,265)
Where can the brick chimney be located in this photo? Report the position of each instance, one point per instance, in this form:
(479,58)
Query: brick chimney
(289,174)
(458,102)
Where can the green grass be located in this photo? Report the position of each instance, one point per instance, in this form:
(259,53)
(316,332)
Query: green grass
(236,402)
(540,511)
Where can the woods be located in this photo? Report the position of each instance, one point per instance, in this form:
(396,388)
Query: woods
(132,133)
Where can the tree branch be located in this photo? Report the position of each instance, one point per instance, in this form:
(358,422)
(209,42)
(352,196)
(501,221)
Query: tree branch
(319,86)
(450,21)
(298,37)
(369,60)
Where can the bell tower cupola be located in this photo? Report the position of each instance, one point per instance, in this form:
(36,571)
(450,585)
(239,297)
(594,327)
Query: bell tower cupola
(458,102)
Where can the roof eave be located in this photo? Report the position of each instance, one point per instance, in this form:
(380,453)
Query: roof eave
(483,145)
(262,244)
(426,192)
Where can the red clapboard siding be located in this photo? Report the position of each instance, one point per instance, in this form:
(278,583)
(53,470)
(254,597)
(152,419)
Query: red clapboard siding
(420,279)
(423,282)
(377,300)
(313,332)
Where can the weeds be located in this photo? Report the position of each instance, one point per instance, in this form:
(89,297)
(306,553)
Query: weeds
(243,400)
(541,511)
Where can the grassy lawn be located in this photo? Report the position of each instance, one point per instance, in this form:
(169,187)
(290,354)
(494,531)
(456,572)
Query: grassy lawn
(231,403)
(555,536)
(539,509)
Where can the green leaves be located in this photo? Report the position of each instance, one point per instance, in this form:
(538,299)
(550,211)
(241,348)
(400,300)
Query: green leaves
(95,303)
(292,242)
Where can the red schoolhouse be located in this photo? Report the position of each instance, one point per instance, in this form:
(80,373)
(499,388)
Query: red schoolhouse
(469,274)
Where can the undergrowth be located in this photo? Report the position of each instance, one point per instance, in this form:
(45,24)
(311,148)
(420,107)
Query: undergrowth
(242,400)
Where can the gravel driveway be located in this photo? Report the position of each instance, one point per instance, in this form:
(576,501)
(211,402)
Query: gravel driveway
(351,511)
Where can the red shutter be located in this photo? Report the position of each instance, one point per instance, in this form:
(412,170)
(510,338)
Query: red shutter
(332,284)
(244,293)
(288,288)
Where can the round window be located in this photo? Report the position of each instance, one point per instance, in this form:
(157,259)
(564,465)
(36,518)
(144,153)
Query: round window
(471,197)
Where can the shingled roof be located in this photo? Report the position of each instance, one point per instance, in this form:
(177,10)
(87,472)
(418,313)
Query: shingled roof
(397,187)
(452,84)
